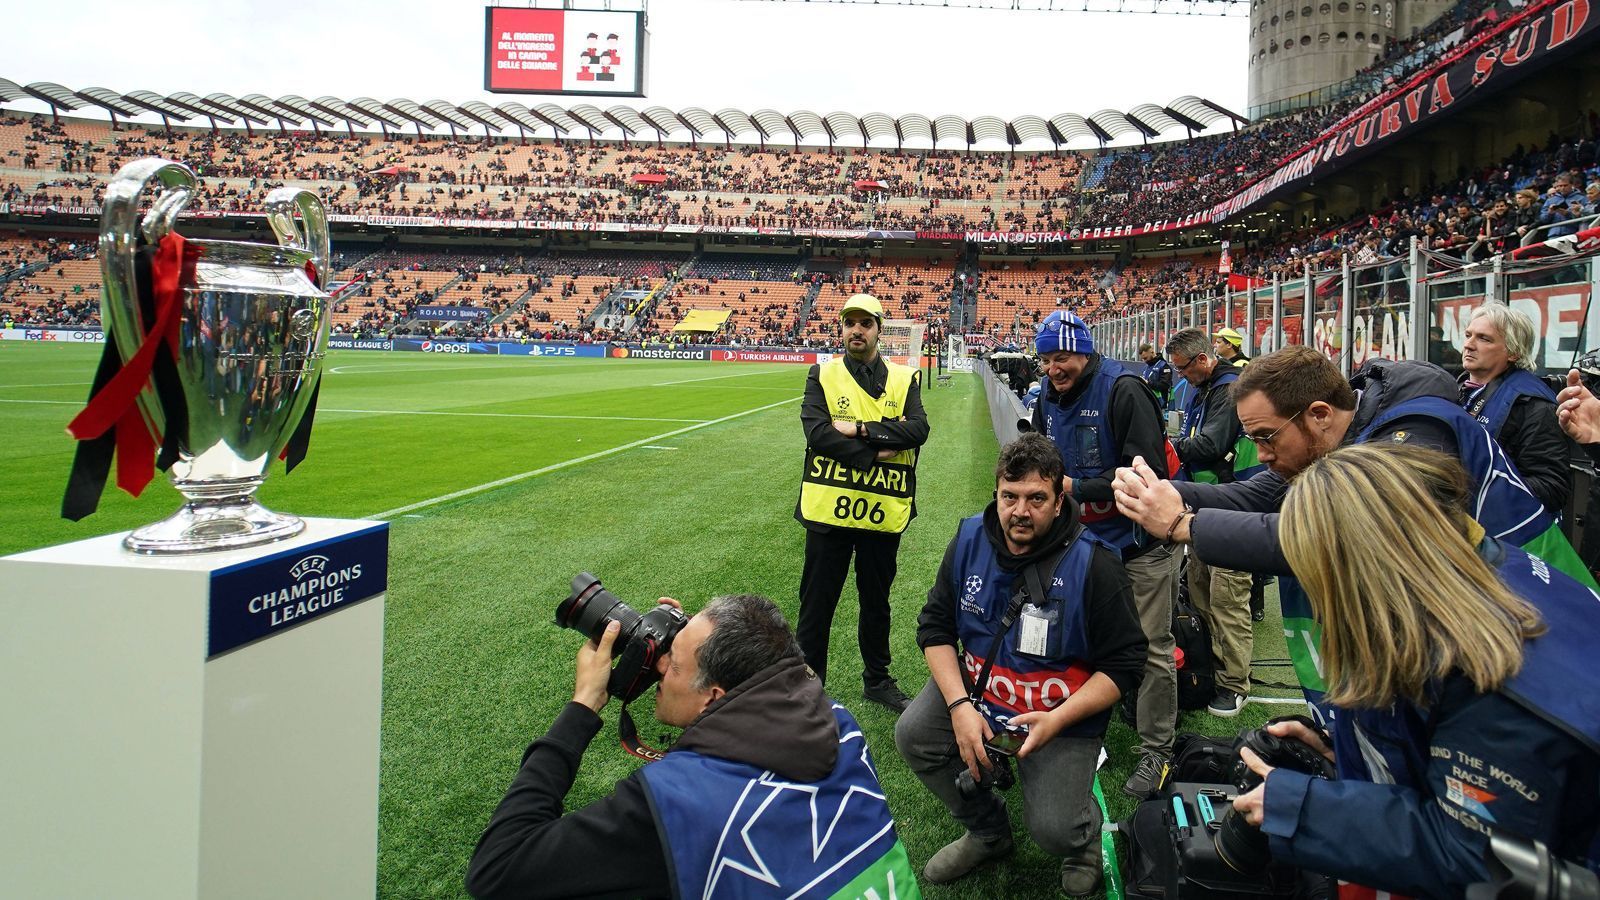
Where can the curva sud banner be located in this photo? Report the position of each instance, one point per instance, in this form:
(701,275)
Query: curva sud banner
(1546,33)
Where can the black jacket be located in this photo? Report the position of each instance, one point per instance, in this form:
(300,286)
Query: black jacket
(1116,640)
(1211,447)
(1540,450)
(908,432)
(1236,525)
(611,847)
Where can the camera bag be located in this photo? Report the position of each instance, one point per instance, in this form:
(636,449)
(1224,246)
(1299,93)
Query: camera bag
(1196,668)
(1197,677)
(1172,852)
(1201,758)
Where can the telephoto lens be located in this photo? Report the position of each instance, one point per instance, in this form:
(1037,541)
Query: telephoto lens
(642,639)
(590,606)
(1241,845)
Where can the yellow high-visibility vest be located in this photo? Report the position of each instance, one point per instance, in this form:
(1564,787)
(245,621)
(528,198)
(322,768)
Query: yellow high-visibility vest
(878,499)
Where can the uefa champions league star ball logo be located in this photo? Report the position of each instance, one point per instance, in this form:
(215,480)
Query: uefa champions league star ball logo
(969,600)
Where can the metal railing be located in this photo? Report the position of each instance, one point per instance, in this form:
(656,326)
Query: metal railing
(1414,306)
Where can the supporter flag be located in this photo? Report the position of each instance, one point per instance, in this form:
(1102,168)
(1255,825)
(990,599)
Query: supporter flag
(1238,282)
(1568,244)
(1225,262)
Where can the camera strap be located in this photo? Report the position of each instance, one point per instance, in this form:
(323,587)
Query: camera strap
(628,736)
(1030,579)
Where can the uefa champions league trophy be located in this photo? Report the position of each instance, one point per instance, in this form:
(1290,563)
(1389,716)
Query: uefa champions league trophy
(248,335)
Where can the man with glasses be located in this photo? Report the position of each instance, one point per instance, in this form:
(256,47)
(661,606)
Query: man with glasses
(1101,415)
(1296,408)
(1211,448)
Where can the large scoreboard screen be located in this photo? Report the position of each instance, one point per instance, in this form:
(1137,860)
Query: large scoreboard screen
(564,51)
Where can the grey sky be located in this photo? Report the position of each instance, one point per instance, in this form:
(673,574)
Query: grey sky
(707,53)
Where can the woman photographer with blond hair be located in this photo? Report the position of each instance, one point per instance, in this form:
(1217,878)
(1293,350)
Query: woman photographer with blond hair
(1460,672)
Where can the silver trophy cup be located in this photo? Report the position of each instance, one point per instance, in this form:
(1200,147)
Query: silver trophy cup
(252,335)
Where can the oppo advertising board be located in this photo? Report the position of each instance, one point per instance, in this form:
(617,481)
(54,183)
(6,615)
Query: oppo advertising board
(597,53)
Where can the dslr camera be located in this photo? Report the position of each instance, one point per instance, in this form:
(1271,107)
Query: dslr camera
(642,640)
(1242,846)
(998,775)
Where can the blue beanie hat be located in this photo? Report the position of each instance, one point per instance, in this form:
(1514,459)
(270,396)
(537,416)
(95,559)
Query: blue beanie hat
(1063,331)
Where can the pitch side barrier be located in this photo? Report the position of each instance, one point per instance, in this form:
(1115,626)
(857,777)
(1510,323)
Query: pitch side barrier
(1415,306)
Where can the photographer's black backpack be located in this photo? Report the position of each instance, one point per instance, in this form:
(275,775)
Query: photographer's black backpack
(1197,678)
(1197,672)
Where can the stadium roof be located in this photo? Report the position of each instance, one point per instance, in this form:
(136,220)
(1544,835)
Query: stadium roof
(1146,121)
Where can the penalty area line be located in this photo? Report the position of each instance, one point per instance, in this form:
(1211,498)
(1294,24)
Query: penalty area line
(553,467)
(718,377)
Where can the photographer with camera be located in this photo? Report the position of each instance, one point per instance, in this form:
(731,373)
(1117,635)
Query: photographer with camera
(1042,614)
(1460,666)
(764,753)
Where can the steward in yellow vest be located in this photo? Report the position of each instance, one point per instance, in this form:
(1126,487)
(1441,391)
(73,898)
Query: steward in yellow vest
(879,498)
(864,423)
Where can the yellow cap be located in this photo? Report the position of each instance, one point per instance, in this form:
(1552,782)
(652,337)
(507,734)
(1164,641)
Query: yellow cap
(1229,335)
(864,302)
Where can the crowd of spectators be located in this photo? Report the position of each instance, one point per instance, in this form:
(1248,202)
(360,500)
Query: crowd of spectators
(724,186)
(1536,194)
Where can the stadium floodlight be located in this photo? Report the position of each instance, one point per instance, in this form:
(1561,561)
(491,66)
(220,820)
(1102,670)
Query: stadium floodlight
(1147,7)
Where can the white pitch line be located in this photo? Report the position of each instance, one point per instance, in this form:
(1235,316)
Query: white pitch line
(511,479)
(489,415)
(715,377)
(50,402)
(51,384)
(656,447)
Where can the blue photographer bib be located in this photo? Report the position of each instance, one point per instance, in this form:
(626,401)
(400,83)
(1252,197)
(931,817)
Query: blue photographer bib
(1043,658)
(1504,392)
(734,830)
(1503,505)
(1082,434)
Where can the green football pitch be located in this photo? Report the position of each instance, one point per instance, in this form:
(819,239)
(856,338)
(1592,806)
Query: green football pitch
(502,477)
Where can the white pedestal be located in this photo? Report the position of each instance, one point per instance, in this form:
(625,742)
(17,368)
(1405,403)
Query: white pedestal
(202,726)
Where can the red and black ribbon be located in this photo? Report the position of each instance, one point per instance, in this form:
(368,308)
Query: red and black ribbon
(111,422)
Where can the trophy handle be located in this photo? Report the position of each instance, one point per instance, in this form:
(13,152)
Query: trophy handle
(119,296)
(281,204)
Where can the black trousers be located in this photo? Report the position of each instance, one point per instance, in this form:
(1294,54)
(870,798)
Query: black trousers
(827,561)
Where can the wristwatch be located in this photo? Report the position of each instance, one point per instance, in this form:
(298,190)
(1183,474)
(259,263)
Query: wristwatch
(861,430)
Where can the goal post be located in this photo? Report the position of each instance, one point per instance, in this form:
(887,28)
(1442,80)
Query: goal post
(901,341)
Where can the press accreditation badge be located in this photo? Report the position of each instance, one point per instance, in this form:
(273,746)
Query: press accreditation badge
(1035,634)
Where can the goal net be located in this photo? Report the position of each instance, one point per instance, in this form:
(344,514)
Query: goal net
(901,341)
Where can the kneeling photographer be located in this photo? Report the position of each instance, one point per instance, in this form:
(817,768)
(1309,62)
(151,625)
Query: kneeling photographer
(1460,672)
(764,754)
(1042,614)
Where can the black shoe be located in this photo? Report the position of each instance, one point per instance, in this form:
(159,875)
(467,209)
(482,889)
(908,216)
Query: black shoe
(1226,704)
(887,693)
